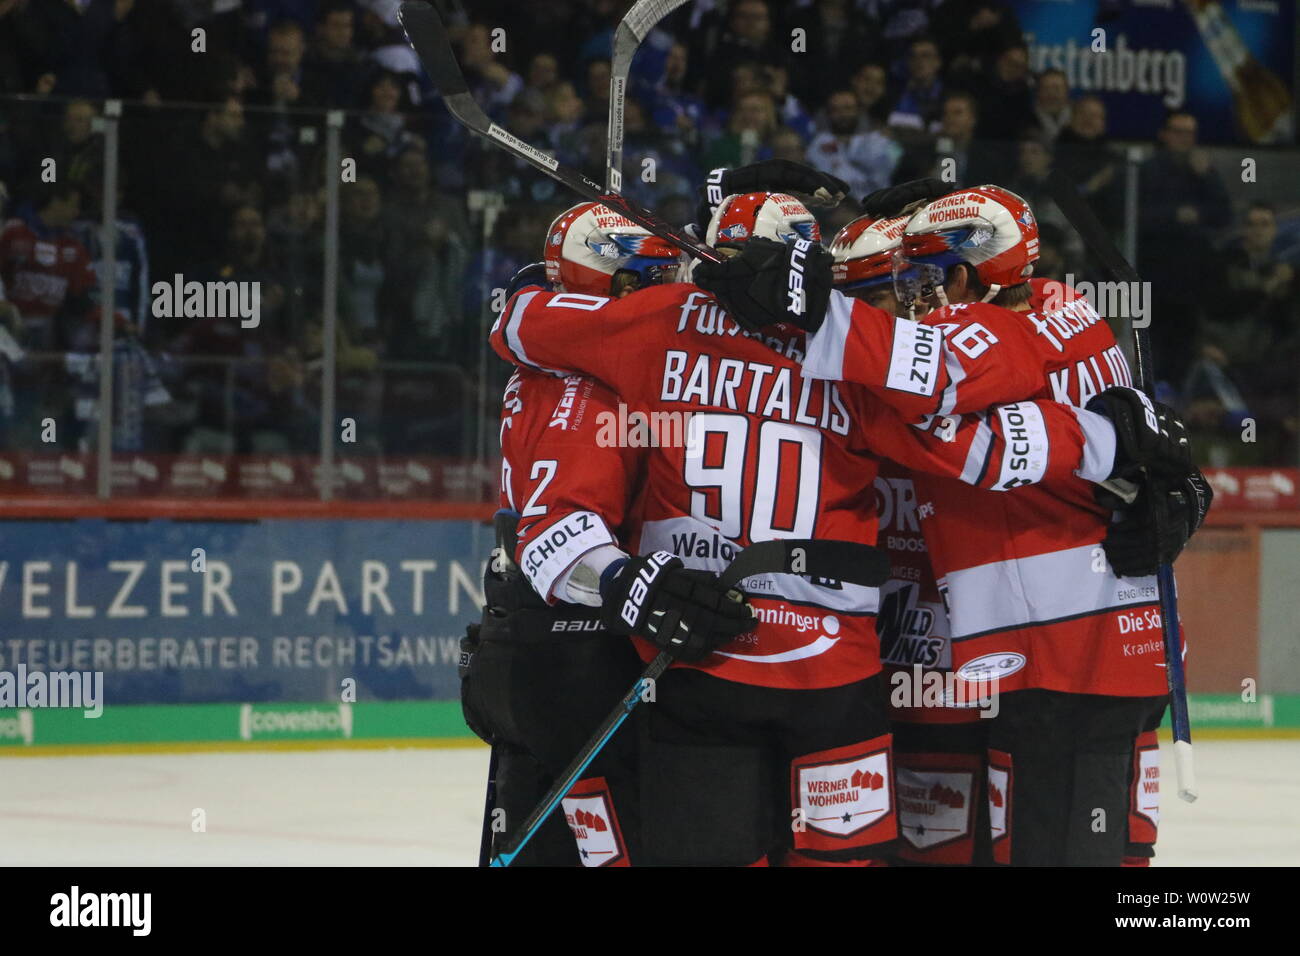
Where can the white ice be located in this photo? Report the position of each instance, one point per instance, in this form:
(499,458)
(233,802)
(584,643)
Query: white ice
(423,807)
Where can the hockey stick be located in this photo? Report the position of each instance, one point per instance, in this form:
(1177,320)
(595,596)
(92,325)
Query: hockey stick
(635,27)
(427,34)
(1094,235)
(844,561)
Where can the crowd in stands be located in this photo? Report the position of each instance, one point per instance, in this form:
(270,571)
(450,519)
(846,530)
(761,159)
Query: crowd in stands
(222,172)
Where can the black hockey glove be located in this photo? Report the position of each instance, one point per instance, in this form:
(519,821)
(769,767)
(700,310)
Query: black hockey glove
(1149,437)
(684,612)
(532,274)
(1155,528)
(769,175)
(770,282)
(904,198)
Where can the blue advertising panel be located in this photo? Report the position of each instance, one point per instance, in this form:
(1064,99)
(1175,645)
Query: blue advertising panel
(1230,63)
(269,610)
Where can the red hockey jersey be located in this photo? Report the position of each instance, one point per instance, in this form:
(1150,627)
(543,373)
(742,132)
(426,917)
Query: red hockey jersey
(556,471)
(1030,596)
(41,272)
(743,448)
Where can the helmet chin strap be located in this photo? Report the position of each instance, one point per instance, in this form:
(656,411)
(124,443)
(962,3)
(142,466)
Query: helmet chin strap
(994,289)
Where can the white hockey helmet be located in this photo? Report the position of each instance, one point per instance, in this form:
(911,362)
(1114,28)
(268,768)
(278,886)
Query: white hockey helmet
(988,227)
(864,251)
(593,250)
(777,216)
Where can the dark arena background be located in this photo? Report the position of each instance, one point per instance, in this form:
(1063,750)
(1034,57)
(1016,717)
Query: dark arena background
(251,422)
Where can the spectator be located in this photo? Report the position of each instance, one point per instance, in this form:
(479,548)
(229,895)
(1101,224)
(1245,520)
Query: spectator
(212,171)
(511,176)
(82,46)
(921,100)
(493,84)
(1005,96)
(954,155)
(1033,166)
(377,135)
(333,66)
(131,295)
(790,111)
(138,392)
(228,370)
(1260,291)
(364,250)
(564,115)
(900,22)
(973,32)
(1052,102)
(748,37)
(676,111)
(1084,154)
(428,270)
(1183,203)
(79,152)
(746,138)
(870,85)
(543,73)
(864,159)
(46,272)
(597,97)
(837,38)
(654,167)
(411,200)
(283,81)
(295,238)
(16,44)
(788,145)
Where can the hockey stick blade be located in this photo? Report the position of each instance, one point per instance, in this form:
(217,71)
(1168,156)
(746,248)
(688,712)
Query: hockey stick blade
(765,557)
(634,28)
(427,34)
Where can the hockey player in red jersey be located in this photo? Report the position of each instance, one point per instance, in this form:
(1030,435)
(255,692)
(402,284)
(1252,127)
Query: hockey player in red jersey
(769,454)
(537,679)
(1058,648)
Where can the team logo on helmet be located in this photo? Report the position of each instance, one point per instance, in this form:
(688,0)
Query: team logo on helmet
(776,216)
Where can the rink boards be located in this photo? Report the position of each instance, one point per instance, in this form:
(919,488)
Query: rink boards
(317,632)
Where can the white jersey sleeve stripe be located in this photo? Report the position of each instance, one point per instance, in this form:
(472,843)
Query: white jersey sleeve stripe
(825,358)
(513,341)
(1098,445)
(955,375)
(978,453)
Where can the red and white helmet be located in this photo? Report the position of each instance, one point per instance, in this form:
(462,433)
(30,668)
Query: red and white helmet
(988,227)
(864,251)
(591,249)
(777,216)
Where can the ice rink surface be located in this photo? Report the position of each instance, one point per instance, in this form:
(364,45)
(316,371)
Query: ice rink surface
(422,808)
